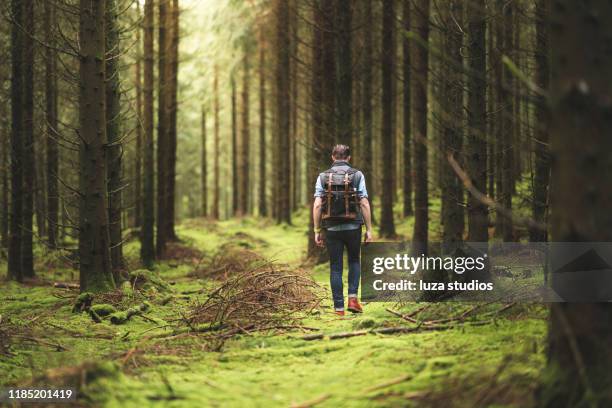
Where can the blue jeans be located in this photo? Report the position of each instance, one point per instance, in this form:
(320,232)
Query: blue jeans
(336,241)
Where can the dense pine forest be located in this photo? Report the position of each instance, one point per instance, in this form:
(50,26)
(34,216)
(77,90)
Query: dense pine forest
(158,160)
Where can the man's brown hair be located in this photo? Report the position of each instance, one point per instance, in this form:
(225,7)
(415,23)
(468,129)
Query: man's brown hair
(341,152)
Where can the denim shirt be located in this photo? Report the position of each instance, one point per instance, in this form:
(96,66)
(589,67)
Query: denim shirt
(361,190)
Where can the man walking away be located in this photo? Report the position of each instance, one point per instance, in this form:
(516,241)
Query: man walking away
(341,207)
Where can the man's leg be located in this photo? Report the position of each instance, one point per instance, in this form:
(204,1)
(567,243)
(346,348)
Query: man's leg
(353,246)
(335,248)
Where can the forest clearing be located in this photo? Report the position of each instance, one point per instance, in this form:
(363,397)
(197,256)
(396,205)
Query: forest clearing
(142,362)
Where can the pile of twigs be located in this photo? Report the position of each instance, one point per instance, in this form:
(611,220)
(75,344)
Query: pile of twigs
(265,297)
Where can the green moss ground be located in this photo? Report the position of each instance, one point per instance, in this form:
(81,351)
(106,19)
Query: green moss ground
(491,365)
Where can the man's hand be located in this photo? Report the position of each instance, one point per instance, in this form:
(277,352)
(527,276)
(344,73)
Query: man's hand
(318,239)
(368,236)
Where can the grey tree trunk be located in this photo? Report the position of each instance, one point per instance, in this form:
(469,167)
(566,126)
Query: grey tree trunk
(147,248)
(452,131)
(27,252)
(263,207)
(387,226)
(113,132)
(542,158)
(406,112)
(15,228)
(204,166)
(51,116)
(283,109)
(476,147)
(420,235)
(94,241)
(580,334)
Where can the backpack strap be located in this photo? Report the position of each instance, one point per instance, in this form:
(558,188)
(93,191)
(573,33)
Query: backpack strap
(346,194)
(329,194)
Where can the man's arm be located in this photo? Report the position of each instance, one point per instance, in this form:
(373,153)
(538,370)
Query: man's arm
(367,217)
(316,213)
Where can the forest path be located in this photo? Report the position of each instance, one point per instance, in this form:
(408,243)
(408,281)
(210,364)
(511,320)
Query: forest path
(501,360)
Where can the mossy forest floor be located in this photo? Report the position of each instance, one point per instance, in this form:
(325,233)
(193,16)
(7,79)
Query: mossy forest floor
(140,363)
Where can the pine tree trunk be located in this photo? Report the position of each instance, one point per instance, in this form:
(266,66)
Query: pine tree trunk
(138,153)
(499,104)
(263,207)
(294,84)
(580,334)
(51,116)
(4,211)
(235,171)
(204,168)
(113,133)
(15,232)
(319,143)
(163,85)
(147,249)
(452,136)
(420,235)
(215,208)
(94,241)
(406,110)
(507,171)
(40,190)
(283,110)
(387,227)
(344,63)
(476,147)
(246,136)
(366,82)
(27,252)
(542,159)
(173,63)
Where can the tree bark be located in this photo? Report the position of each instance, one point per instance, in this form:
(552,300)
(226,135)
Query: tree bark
(476,147)
(94,241)
(51,117)
(4,211)
(215,208)
(138,150)
(235,171)
(366,82)
(17,90)
(204,168)
(27,252)
(320,139)
(245,181)
(507,145)
(283,110)
(263,207)
(542,159)
(163,108)
(452,132)
(344,64)
(387,227)
(172,67)
(406,110)
(147,249)
(420,235)
(580,334)
(113,132)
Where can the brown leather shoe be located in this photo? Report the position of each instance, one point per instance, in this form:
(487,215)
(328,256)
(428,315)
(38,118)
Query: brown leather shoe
(354,306)
(339,312)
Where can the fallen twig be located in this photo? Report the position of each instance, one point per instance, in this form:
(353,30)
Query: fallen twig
(388,383)
(312,402)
